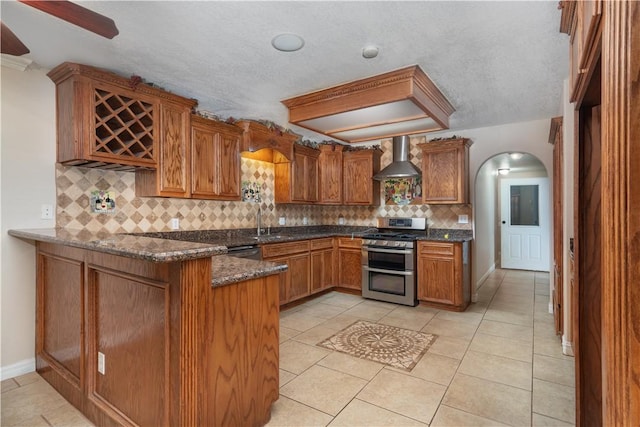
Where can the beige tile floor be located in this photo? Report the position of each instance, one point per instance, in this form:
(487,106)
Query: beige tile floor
(498,363)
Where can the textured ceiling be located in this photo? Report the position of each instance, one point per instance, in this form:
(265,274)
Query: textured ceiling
(496,62)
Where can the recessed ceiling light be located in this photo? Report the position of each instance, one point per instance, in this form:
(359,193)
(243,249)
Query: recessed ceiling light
(287,42)
(369,52)
(516,156)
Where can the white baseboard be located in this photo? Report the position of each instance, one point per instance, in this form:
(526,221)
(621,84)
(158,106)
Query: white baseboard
(550,307)
(567,347)
(17,369)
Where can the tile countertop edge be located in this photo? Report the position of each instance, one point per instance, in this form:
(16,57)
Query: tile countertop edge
(226,270)
(138,247)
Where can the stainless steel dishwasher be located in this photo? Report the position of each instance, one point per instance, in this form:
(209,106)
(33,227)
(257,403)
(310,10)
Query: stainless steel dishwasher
(246,251)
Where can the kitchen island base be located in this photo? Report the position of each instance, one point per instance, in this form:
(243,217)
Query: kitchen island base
(133,342)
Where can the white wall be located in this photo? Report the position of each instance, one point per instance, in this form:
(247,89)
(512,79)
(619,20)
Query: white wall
(567,187)
(27,158)
(526,137)
(485,214)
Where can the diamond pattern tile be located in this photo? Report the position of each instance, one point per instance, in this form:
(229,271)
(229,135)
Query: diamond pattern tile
(147,214)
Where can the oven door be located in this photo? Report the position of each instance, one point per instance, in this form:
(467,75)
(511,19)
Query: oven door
(387,275)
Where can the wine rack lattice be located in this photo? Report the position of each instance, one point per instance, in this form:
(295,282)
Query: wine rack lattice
(124,126)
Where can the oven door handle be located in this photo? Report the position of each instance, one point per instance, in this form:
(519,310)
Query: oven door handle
(388,251)
(393,272)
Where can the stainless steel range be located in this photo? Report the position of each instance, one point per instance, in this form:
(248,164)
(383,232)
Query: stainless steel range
(389,259)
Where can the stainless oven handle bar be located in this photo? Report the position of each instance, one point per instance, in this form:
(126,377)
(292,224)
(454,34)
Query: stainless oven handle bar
(387,251)
(394,272)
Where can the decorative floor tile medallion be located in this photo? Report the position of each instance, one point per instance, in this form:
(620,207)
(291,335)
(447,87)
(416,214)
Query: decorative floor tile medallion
(397,347)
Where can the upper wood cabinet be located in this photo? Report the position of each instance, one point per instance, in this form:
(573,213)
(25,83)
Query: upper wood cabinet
(297,181)
(330,174)
(215,159)
(358,168)
(257,136)
(582,21)
(445,171)
(105,120)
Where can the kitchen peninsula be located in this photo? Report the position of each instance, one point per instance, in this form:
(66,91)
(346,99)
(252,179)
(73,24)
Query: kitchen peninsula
(135,330)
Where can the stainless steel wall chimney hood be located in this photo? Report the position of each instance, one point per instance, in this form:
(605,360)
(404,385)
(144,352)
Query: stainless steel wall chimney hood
(400,167)
(401,102)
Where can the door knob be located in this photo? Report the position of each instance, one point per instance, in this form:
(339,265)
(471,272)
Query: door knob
(504,222)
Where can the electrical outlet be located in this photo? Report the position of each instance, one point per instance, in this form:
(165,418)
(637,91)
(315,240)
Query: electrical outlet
(175,223)
(305,221)
(101,363)
(341,220)
(463,219)
(282,221)
(46,212)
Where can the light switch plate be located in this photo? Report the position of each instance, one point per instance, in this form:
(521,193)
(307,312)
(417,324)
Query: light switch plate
(305,221)
(463,219)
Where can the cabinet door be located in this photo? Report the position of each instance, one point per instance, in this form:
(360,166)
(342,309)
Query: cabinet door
(437,279)
(330,177)
(228,157)
(441,181)
(203,164)
(174,151)
(350,268)
(298,276)
(321,269)
(359,187)
(311,173)
(298,183)
(285,279)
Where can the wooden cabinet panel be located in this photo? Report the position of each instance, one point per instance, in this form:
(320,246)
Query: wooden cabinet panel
(295,282)
(444,274)
(103,122)
(299,273)
(321,269)
(131,330)
(330,174)
(59,326)
(359,187)
(172,176)
(297,181)
(350,263)
(215,160)
(445,170)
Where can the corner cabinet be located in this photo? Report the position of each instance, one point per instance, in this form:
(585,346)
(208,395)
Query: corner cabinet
(215,159)
(108,121)
(445,171)
(444,274)
(358,168)
(297,181)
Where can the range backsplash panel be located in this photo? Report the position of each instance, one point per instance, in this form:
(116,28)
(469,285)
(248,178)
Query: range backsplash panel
(146,214)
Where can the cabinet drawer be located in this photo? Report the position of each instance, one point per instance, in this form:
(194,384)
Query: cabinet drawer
(280,249)
(348,242)
(435,248)
(326,243)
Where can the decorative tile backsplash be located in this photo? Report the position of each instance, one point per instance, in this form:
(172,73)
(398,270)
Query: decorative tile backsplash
(75,186)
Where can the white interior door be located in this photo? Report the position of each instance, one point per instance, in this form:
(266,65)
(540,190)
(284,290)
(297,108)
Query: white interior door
(524,210)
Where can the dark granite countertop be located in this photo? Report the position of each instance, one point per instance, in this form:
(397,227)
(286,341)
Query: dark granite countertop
(228,269)
(141,247)
(448,235)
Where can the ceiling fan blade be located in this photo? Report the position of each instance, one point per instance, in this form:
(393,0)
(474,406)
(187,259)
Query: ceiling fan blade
(77,15)
(10,43)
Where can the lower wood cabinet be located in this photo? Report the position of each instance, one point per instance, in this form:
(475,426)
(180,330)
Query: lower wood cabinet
(350,263)
(294,283)
(164,335)
(444,274)
(322,255)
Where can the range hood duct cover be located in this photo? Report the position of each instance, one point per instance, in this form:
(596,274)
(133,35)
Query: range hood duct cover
(400,167)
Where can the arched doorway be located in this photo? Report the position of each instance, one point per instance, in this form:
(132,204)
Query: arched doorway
(487,230)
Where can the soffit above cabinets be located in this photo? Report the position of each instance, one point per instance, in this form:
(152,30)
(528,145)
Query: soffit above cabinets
(400,102)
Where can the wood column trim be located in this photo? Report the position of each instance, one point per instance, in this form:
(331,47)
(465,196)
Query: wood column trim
(621,213)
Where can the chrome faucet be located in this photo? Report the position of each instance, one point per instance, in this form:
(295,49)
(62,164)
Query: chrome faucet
(259,221)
